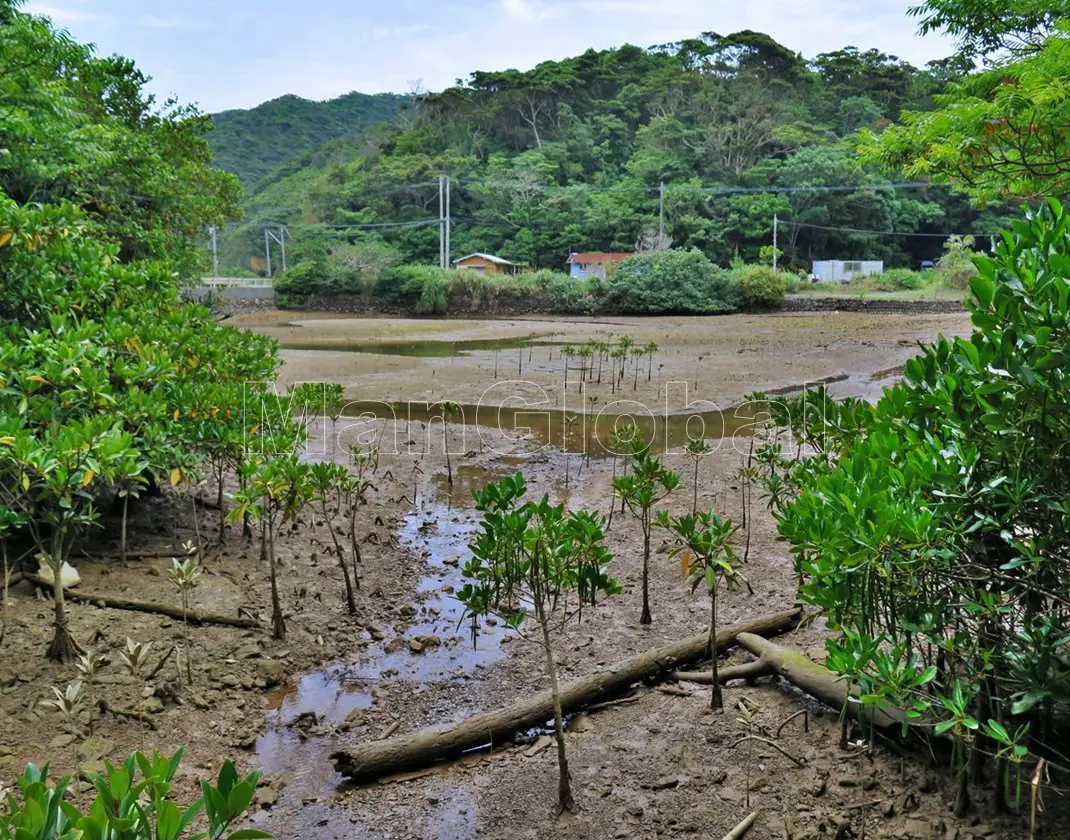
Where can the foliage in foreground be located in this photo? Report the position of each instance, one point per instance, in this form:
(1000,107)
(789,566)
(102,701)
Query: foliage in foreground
(134,801)
(109,380)
(931,529)
(998,132)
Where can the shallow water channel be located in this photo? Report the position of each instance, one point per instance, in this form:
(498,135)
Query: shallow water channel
(438,532)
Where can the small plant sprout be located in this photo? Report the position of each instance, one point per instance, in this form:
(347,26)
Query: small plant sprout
(537,557)
(67,702)
(696,450)
(127,489)
(650,348)
(88,664)
(449,409)
(135,656)
(570,421)
(703,543)
(184,576)
(649,483)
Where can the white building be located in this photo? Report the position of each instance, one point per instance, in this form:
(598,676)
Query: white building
(844,271)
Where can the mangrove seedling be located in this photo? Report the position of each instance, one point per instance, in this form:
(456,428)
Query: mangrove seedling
(449,409)
(330,480)
(703,542)
(274,496)
(88,665)
(649,483)
(135,656)
(696,450)
(67,703)
(637,353)
(650,348)
(540,557)
(184,576)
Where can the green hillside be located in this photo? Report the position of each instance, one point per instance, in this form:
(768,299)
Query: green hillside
(252,142)
(570,155)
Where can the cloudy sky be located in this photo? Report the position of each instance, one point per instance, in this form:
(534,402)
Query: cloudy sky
(238,53)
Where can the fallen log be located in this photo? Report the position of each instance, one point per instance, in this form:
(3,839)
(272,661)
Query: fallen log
(114,603)
(799,670)
(816,680)
(370,760)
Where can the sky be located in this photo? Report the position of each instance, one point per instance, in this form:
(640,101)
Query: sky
(224,54)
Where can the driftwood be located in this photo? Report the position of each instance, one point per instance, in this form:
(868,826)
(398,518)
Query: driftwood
(800,671)
(743,827)
(371,760)
(113,603)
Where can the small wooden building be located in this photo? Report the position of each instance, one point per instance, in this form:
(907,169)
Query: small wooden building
(582,266)
(485,264)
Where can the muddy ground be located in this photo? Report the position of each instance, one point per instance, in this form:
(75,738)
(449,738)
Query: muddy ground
(660,766)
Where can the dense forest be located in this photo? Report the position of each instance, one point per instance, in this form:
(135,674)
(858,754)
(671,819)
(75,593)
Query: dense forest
(253,142)
(570,155)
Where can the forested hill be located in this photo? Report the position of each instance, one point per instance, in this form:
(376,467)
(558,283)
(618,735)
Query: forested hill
(571,155)
(250,143)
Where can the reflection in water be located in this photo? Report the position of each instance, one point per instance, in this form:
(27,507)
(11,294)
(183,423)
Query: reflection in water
(439,532)
(549,427)
(421,349)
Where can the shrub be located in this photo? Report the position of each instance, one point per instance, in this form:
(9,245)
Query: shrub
(761,286)
(898,279)
(434,293)
(931,528)
(670,281)
(357,267)
(304,278)
(404,284)
(956,267)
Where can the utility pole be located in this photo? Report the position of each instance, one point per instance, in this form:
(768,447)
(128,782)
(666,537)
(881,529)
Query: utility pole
(449,223)
(774,241)
(279,237)
(215,254)
(441,222)
(661,213)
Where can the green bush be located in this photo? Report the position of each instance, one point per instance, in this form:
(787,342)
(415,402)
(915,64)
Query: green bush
(670,282)
(955,268)
(761,286)
(434,291)
(898,279)
(304,278)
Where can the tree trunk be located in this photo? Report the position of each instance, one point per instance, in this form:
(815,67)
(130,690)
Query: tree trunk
(694,491)
(351,604)
(565,802)
(645,618)
(278,622)
(63,647)
(122,529)
(716,701)
(222,510)
(7,591)
(374,759)
(114,603)
(355,544)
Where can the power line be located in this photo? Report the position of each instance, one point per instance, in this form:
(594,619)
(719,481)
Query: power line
(374,226)
(876,232)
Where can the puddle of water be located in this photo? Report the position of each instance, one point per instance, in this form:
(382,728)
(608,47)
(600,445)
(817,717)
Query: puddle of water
(439,533)
(422,349)
(548,427)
